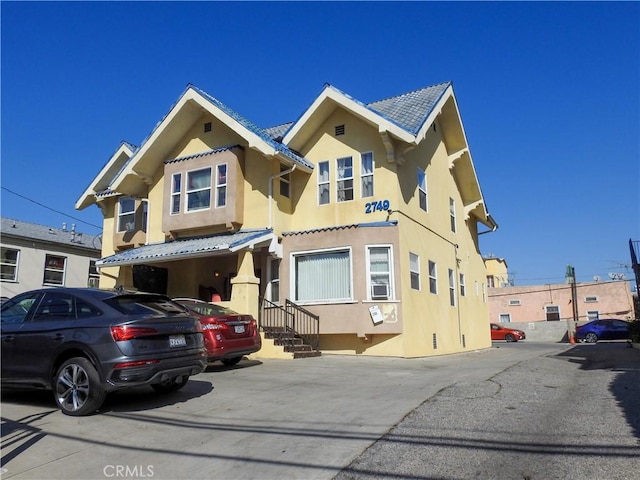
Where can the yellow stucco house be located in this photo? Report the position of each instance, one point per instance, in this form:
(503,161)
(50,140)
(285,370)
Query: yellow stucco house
(358,224)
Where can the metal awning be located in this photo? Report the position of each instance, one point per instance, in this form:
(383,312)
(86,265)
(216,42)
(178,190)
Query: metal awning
(192,247)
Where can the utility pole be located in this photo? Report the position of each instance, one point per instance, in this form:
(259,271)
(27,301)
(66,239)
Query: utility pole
(570,278)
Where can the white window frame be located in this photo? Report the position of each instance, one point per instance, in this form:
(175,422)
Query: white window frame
(422,190)
(389,273)
(414,270)
(9,264)
(452,214)
(123,215)
(463,286)
(221,185)
(515,303)
(54,269)
(176,194)
(452,287)
(324,183)
(293,276)
(94,276)
(364,175)
(502,316)
(189,191)
(273,286)
(593,315)
(343,179)
(433,277)
(591,299)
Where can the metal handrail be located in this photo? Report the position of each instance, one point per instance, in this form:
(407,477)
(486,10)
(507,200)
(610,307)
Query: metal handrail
(291,320)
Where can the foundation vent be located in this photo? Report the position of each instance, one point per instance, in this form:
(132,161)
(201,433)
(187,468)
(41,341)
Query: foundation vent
(435,341)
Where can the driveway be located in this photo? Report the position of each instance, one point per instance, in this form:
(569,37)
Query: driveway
(270,419)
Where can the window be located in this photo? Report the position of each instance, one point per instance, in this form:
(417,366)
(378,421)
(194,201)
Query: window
(126,214)
(491,281)
(414,269)
(322,276)
(379,270)
(433,278)
(345,179)
(324,194)
(145,215)
(94,276)
(176,193)
(285,181)
(592,315)
(54,270)
(463,287)
(274,280)
(452,288)
(591,299)
(504,318)
(514,303)
(552,312)
(55,306)
(9,264)
(366,174)
(198,189)
(422,189)
(221,185)
(452,214)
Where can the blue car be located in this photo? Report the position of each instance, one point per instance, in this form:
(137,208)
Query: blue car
(609,329)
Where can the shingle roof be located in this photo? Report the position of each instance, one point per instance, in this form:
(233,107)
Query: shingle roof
(31,231)
(255,129)
(189,247)
(410,110)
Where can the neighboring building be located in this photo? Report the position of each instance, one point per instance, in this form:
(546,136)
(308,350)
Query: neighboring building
(539,303)
(367,215)
(35,256)
(497,272)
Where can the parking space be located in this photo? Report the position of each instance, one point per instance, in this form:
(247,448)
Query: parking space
(304,418)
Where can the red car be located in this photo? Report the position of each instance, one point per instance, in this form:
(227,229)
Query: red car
(498,332)
(228,335)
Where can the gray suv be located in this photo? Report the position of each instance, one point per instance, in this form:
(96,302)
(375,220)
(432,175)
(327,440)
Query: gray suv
(83,343)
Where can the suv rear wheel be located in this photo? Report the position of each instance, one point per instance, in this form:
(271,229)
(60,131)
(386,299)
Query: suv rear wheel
(77,387)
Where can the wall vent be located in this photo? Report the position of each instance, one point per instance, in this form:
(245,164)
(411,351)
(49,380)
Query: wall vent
(339,130)
(207,127)
(435,341)
(464,342)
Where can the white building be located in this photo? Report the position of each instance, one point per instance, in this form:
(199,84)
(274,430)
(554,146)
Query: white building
(35,256)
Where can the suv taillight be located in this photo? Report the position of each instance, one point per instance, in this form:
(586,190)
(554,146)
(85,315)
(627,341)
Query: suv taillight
(127,332)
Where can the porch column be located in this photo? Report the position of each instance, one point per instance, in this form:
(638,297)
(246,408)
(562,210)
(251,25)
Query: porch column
(245,285)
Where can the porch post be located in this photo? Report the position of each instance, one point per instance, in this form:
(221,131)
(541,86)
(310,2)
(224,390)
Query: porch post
(245,285)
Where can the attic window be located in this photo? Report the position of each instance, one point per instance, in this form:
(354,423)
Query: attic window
(339,130)
(207,127)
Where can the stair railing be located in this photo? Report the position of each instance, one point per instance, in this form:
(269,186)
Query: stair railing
(290,319)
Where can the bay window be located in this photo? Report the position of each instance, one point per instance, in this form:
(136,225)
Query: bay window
(198,189)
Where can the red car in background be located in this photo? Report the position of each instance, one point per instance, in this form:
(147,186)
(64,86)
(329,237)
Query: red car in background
(228,335)
(498,332)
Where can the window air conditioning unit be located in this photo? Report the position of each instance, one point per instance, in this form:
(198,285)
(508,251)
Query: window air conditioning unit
(380,291)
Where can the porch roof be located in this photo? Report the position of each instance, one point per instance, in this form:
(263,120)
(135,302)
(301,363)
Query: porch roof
(190,248)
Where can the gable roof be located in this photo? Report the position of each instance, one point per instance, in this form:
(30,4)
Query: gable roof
(67,237)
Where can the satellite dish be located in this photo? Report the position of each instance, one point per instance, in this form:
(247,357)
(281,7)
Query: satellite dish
(612,276)
(596,278)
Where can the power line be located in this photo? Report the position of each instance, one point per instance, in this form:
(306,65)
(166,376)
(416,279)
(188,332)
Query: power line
(49,208)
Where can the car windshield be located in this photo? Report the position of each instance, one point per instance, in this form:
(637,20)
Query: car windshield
(210,309)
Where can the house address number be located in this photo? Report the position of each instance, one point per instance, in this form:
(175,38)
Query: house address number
(377,206)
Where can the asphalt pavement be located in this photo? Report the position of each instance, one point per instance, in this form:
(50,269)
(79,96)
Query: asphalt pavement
(314,418)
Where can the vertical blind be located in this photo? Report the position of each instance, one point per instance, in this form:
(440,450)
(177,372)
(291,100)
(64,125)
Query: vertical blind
(323,276)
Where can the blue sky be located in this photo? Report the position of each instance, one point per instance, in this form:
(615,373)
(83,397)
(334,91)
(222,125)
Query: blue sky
(548,93)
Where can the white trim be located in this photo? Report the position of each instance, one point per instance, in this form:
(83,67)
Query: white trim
(391,290)
(293,272)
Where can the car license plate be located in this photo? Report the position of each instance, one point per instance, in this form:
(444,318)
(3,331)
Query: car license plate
(177,341)
(239,328)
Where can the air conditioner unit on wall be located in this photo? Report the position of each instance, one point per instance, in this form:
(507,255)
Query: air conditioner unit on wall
(380,291)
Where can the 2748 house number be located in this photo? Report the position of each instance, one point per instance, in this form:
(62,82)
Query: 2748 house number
(377,206)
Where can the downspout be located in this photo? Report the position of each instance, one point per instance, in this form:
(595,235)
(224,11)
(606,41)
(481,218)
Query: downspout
(271,179)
